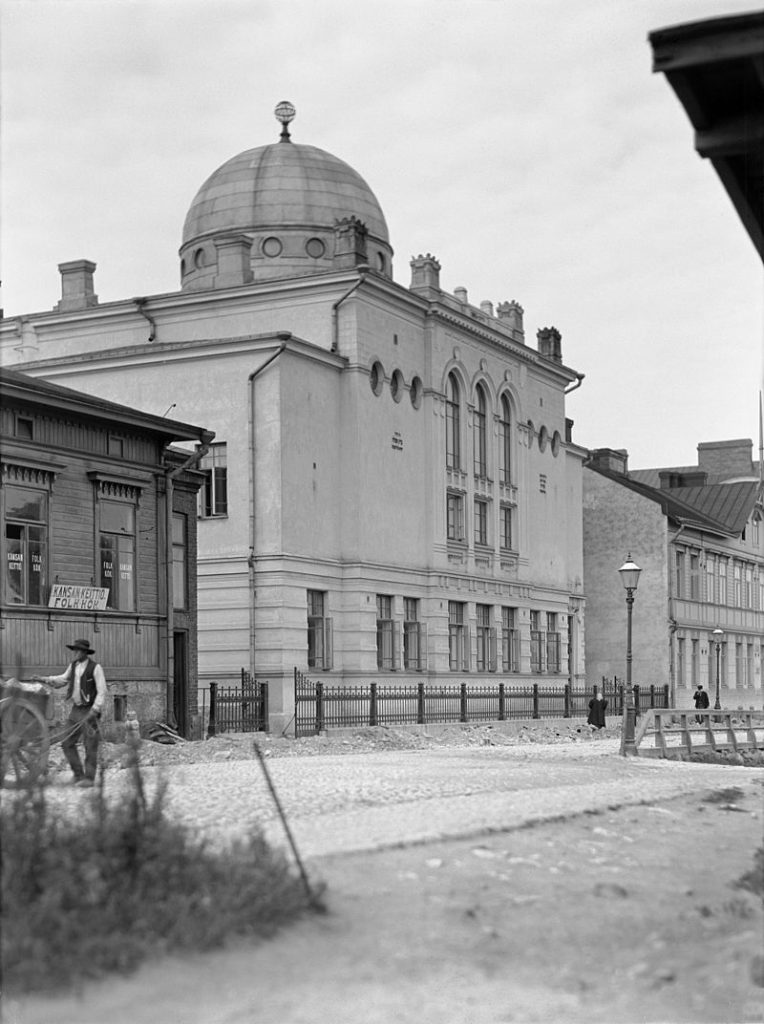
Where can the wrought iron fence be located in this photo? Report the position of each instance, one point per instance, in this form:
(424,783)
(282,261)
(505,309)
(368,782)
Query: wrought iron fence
(241,708)
(320,706)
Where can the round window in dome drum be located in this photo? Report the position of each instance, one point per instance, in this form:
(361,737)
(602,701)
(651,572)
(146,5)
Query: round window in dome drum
(272,247)
(199,259)
(397,385)
(415,392)
(315,248)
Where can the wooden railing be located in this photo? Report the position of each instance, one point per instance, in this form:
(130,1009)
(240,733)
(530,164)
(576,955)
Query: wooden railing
(677,732)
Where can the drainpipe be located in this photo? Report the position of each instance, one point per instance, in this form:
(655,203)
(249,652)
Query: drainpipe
(170,475)
(363,270)
(140,305)
(576,384)
(672,615)
(283,337)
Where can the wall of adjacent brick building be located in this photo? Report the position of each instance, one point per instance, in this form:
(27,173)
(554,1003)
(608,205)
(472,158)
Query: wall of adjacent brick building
(619,522)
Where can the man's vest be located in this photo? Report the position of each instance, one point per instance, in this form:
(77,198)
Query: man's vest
(87,683)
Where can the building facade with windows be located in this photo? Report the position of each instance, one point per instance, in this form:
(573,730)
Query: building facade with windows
(99,541)
(697,532)
(393,491)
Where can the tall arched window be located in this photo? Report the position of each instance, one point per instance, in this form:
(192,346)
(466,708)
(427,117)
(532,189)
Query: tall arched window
(479,443)
(505,442)
(453,425)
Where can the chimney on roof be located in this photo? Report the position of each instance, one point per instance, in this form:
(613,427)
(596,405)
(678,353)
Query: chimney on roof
(550,343)
(76,286)
(486,306)
(669,478)
(234,261)
(611,460)
(512,313)
(425,276)
(726,460)
(460,294)
(349,243)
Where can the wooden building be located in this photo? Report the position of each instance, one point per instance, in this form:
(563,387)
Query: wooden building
(99,541)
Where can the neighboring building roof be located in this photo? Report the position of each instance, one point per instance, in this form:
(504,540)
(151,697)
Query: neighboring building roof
(34,389)
(714,67)
(729,504)
(717,508)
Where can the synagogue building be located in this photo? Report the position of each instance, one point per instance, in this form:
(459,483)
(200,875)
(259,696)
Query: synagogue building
(393,492)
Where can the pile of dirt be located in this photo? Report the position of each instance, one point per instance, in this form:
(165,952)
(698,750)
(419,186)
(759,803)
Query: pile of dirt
(240,746)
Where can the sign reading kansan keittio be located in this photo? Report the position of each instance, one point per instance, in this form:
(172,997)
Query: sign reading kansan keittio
(91,599)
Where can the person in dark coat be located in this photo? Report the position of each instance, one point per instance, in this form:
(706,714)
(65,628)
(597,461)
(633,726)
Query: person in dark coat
(701,701)
(597,707)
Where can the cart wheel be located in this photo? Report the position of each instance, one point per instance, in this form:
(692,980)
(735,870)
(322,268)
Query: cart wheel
(24,743)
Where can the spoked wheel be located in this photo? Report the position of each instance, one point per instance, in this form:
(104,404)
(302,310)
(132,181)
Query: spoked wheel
(24,743)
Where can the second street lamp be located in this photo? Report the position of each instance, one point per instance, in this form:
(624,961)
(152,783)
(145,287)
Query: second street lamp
(629,573)
(717,634)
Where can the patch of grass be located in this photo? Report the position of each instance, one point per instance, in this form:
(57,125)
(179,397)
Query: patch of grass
(124,883)
(724,796)
(753,880)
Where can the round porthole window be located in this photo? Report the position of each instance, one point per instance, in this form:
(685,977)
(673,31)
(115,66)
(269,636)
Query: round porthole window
(397,385)
(315,248)
(199,259)
(182,268)
(543,439)
(376,378)
(556,442)
(381,264)
(415,392)
(272,247)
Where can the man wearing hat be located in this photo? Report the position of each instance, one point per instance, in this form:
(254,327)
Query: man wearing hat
(86,688)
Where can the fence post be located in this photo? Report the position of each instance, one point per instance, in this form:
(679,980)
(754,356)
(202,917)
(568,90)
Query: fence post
(463,703)
(636,700)
(373,704)
(211,723)
(652,695)
(502,705)
(264,723)
(420,703)
(566,711)
(665,695)
(319,707)
(535,700)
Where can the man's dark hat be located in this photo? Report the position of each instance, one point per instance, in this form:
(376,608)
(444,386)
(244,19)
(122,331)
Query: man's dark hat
(81,645)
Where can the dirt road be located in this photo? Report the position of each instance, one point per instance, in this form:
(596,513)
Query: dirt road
(617,912)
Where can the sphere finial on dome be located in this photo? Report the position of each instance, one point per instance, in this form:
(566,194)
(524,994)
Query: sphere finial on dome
(285,113)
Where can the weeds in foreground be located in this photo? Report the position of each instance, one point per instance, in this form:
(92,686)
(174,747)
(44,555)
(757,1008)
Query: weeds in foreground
(753,880)
(124,883)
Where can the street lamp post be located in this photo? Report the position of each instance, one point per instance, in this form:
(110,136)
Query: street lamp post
(629,573)
(717,635)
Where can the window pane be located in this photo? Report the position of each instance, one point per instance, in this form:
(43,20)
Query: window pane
(117,517)
(15,569)
(21,503)
(37,561)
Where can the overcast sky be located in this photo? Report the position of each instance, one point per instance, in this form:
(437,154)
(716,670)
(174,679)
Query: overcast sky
(525,143)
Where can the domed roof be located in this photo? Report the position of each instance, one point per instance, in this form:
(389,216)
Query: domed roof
(283,185)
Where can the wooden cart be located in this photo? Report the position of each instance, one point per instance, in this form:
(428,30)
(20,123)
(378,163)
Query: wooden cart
(24,732)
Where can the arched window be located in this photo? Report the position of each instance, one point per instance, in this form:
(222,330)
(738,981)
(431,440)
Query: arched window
(453,425)
(505,442)
(479,443)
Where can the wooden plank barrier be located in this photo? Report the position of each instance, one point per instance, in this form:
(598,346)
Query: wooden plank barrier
(676,732)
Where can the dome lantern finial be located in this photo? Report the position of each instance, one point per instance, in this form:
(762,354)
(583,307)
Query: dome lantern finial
(285,113)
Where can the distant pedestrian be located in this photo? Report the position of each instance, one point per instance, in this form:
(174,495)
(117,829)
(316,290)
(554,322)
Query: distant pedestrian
(597,707)
(701,701)
(86,688)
